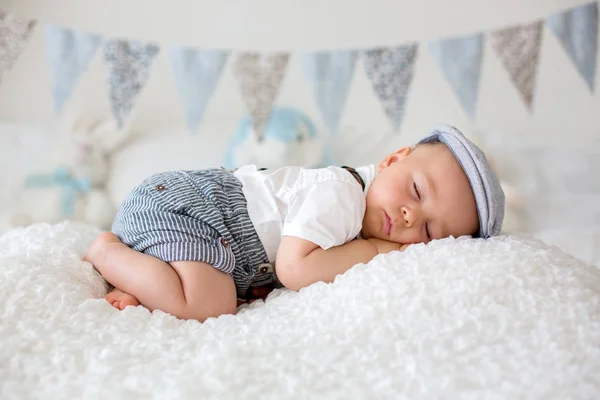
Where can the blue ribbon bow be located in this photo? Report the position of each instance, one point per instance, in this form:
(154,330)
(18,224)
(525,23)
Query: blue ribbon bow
(71,186)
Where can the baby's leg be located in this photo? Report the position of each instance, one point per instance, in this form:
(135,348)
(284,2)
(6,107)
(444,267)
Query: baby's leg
(185,289)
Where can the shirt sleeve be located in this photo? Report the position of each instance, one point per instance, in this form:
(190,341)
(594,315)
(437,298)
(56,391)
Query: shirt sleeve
(327,213)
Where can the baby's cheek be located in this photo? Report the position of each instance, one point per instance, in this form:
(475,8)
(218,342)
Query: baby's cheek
(410,236)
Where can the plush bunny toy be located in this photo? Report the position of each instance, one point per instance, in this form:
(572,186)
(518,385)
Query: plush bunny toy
(74,188)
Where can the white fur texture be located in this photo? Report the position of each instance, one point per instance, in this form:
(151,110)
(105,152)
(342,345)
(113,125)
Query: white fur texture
(506,318)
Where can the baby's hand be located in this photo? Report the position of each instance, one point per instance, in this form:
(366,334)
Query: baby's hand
(384,246)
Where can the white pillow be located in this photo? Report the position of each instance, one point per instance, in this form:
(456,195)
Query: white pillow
(165,151)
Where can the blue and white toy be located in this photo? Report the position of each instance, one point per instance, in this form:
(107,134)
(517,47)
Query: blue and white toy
(289,138)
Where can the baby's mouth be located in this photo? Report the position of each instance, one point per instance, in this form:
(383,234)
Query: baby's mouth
(387,224)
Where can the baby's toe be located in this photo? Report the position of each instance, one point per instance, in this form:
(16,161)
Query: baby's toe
(111,300)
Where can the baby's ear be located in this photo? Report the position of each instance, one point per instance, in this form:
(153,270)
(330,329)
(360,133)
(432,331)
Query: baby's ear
(396,156)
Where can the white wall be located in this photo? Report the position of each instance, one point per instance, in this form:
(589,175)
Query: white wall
(285,24)
(565,114)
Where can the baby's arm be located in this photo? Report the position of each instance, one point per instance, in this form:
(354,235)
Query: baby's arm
(301,263)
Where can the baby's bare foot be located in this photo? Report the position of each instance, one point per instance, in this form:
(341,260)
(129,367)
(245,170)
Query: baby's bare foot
(119,299)
(97,249)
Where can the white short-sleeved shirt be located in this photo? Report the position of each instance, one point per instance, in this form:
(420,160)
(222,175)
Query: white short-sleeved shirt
(325,206)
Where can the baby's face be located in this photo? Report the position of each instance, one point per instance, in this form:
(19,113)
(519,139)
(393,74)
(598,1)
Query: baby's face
(420,195)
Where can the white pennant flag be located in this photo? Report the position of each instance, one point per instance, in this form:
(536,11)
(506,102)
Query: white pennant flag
(259,77)
(519,48)
(129,65)
(14,33)
(391,72)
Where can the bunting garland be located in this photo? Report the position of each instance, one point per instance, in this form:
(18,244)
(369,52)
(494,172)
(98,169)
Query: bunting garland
(329,73)
(577,30)
(14,33)
(518,48)
(128,68)
(259,78)
(391,72)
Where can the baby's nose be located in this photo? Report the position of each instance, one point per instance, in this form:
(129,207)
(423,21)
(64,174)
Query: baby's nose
(409,216)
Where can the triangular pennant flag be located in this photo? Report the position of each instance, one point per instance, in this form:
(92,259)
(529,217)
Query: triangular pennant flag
(128,65)
(577,30)
(460,60)
(259,77)
(391,72)
(69,54)
(330,74)
(197,73)
(14,33)
(519,48)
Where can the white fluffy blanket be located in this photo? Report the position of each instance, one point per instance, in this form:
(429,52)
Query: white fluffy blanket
(458,318)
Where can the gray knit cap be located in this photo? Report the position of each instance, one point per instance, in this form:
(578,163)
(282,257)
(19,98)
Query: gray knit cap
(488,193)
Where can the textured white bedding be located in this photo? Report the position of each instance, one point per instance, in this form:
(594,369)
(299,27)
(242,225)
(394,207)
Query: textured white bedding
(459,318)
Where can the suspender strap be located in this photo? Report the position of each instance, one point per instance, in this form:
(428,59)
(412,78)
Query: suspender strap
(356,176)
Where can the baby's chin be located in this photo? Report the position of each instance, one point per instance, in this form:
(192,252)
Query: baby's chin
(365,234)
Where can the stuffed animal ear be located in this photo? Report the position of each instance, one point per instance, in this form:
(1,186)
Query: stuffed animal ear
(303,133)
(255,136)
(108,136)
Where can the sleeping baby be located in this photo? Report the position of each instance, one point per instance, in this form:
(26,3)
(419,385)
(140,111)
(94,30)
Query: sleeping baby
(195,243)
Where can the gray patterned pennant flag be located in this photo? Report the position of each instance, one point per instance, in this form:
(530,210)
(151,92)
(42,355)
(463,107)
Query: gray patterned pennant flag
(330,75)
(69,54)
(197,73)
(577,30)
(259,77)
(391,72)
(460,60)
(14,33)
(519,48)
(128,65)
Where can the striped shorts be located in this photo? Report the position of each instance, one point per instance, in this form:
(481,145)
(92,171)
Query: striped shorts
(193,216)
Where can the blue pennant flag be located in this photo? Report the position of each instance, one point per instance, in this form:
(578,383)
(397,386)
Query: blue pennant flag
(70,185)
(197,73)
(391,72)
(69,54)
(128,65)
(330,74)
(460,61)
(577,30)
